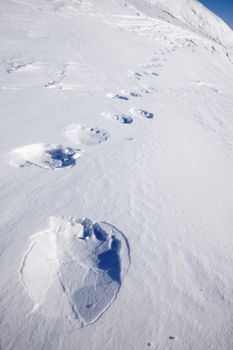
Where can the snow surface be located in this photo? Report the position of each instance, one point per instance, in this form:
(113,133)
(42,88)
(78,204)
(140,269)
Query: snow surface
(144,89)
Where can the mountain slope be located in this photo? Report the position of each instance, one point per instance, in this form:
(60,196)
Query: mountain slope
(192,14)
(116,176)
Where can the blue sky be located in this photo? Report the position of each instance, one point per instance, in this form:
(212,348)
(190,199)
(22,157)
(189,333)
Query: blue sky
(223,8)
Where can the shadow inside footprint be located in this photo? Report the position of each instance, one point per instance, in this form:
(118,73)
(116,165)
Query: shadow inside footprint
(124,119)
(146,114)
(65,157)
(109,261)
(142,112)
(121,97)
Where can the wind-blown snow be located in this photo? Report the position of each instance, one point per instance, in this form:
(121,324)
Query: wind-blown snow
(131,103)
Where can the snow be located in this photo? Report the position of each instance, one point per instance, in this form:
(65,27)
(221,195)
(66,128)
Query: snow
(192,14)
(44,156)
(142,112)
(84,261)
(131,103)
(81,134)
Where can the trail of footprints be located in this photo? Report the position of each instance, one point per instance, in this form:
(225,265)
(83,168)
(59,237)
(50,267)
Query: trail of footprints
(78,264)
(56,157)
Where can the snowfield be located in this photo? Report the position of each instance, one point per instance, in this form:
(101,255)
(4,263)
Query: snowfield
(119,111)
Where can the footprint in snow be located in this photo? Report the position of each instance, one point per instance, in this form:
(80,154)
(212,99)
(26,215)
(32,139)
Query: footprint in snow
(122,118)
(134,93)
(125,95)
(13,66)
(79,268)
(80,134)
(142,112)
(172,337)
(135,75)
(146,91)
(117,96)
(44,156)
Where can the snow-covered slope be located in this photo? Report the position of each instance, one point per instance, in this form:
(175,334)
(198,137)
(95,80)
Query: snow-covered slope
(191,13)
(116,175)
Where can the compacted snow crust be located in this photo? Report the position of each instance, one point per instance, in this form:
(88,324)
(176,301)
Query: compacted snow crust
(119,111)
